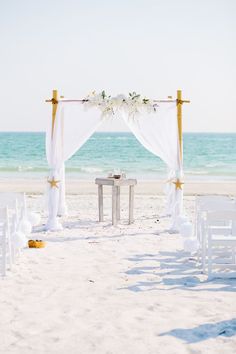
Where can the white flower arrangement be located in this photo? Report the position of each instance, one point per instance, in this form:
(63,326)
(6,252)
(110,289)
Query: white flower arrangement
(133,104)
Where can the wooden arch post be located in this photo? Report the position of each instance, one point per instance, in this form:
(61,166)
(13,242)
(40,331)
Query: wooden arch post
(178,183)
(54,107)
(179,103)
(53,181)
(54,102)
(179,120)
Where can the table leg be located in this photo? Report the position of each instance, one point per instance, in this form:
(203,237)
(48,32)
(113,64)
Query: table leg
(100,202)
(114,205)
(118,203)
(131,204)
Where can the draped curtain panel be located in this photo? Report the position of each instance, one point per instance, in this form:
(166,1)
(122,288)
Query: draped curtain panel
(156,131)
(73,127)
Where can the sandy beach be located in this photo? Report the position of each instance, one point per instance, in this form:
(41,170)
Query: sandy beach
(101,289)
(139,90)
(77,186)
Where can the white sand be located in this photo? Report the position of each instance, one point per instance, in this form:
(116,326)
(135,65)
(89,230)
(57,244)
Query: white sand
(105,290)
(76,186)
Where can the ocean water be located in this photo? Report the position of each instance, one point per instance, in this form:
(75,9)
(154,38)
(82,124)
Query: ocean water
(206,156)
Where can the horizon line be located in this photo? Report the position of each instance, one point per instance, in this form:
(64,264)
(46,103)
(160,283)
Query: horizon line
(121,131)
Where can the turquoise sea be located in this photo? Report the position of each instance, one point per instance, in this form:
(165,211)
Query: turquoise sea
(206,156)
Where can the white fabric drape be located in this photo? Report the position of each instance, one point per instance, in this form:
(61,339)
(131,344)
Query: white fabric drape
(73,126)
(158,133)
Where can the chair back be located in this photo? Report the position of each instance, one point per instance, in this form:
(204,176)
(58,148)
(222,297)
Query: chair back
(9,199)
(227,216)
(216,205)
(4,235)
(4,219)
(212,197)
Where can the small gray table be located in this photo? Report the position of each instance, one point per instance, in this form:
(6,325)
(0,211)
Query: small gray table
(116,184)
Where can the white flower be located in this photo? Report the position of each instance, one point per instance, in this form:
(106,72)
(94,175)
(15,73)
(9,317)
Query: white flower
(133,104)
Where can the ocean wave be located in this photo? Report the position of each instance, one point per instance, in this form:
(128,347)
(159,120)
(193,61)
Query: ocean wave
(25,168)
(216,164)
(91,169)
(225,173)
(195,172)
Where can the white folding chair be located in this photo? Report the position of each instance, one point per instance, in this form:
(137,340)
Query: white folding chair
(218,243)
(13,201)
(5,241)
(16,206)
(202,201)
(204,205)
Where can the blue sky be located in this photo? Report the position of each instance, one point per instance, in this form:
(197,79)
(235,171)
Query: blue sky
(150,46)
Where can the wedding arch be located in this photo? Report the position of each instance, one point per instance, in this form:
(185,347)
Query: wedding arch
(157,124)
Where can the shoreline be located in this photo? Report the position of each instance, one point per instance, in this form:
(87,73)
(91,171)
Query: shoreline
(148,187)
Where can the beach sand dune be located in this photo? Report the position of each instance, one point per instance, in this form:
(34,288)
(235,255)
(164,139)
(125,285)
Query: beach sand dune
(100,289)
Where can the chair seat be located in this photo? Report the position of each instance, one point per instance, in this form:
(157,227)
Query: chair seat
(221,231)
(223,238)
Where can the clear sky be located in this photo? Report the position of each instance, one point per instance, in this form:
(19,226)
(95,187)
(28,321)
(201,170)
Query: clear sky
(152,47)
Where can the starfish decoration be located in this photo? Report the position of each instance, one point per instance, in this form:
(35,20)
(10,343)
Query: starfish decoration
(178,184)
(53,182)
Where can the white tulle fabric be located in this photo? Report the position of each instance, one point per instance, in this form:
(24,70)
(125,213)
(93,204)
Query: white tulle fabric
(157,132)
(73,127)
